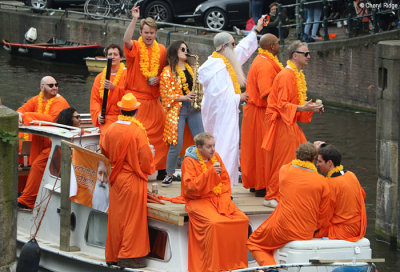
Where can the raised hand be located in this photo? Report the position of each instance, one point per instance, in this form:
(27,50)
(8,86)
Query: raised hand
(135,12)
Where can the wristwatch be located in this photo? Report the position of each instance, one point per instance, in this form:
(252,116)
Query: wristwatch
(258,32)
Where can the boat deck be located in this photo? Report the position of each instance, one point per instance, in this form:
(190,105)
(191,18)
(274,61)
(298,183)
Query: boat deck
(175,213)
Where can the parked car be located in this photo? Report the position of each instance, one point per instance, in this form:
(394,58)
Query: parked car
(42,4)
(219,14)
(168,10)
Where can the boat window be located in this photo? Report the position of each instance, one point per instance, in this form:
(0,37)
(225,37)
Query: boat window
(159,244)
(55,163)
(96,229)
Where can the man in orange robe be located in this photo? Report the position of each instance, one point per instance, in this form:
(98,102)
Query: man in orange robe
(287,105)
(349,218)
(217,228)
(126,145)
(302,209)
(116,87)
(145,60)
(259,82)
(43,107)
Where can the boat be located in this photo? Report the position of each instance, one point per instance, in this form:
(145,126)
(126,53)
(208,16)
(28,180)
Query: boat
(54,50)
(97,64)
(72,236)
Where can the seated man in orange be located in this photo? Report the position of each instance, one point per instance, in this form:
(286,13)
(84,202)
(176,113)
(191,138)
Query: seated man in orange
(349,219)
(302,210)
(213,217)
(43,107)
(126,144)
(116,87)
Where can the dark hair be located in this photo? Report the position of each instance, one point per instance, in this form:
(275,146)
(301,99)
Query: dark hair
(306,152)
(128,113)
(112,46)
(330,153)
(172,55)
(65,116)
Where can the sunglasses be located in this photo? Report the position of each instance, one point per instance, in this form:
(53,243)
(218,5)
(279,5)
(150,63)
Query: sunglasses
(184,49)
(306,54)
(51,85)
(77,116)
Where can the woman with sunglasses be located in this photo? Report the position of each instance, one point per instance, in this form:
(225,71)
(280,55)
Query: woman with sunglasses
(176,85)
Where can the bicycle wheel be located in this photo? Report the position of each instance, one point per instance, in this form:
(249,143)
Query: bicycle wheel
(97,8)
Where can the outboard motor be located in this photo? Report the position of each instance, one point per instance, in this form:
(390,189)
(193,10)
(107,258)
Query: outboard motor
(29,257)
(30,36)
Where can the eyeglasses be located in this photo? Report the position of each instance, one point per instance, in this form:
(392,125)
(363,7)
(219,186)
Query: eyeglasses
(306,54)
(77,116)
(184,49)
(51,85)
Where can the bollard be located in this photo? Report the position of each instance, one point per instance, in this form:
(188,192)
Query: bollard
(8,187)
(387,225)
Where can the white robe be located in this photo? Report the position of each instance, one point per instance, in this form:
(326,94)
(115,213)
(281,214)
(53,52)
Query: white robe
(220,105)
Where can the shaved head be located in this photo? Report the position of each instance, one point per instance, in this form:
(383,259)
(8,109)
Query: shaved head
(46,80)
(270,42)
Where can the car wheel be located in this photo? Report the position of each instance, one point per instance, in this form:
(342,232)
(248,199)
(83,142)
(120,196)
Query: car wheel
(215,19)
(40,4)
(159,11)
(97,9)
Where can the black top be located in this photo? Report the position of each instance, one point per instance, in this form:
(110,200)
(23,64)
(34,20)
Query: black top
(189,79)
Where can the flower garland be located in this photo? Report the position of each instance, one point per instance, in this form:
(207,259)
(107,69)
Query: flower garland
(149,70)
(135,121)
(300,82)
(48,104)
(334,170)
(305,164)
(217,190)
(232,73)
(270,56)
(115,81)
(185,85)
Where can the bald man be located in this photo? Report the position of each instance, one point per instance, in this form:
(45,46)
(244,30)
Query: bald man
(43,107)
(222,76)
(259,83)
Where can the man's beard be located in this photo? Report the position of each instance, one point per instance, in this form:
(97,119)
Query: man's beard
(231,56)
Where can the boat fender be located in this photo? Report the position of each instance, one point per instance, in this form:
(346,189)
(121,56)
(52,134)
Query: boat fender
(49,55)
(7,48)
(351,269)
(29,257)
(23,50)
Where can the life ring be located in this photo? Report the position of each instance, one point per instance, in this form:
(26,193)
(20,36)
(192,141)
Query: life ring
(266,20)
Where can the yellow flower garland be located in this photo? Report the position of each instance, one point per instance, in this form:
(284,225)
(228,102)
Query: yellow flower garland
(334,170)
(232,73)
(135,121)
(305,164)
(149,70)
(185,85)
(48,104)
(217,190)
(270,56)
(300,82)
(115,81)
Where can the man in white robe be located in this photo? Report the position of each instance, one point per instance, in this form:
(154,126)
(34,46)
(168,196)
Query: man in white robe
(220,105)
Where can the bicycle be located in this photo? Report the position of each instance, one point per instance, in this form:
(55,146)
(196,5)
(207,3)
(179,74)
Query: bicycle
(98,9)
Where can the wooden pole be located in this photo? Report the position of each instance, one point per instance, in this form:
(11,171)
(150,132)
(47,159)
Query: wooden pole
(65,205)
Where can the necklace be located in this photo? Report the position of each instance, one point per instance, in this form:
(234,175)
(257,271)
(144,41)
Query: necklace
(334,170)
(230,70)
(48,104)
(270,56)
(217,190)
(300,82)
(185,85)
(116,78)
(135,121)
(149,70)
(305,164)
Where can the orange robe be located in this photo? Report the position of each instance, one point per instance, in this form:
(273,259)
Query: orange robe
(151,114)
(303,209)
(114,96)
(40,147)
(349,219)
(213,220)
(128,235)
(283,134)
(252,158)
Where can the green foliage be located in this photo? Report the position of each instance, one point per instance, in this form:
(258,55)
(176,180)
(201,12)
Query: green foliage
(8,137)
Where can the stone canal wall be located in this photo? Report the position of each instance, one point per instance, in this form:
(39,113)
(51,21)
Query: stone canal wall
(342,72)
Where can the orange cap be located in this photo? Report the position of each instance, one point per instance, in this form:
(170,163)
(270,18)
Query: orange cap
(128,102)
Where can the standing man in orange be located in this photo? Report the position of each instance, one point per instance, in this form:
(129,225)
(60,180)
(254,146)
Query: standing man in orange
(43,107)
(349,218)
(126,144)
(303,208)
(116,87)
(145,59)
(261,75)
(287,105)
(217,228)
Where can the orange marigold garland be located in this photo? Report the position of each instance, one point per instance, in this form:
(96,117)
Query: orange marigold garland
(334,170)
(232,73)
(305,164)
(300,82)
(149,68)
(270,56)
(116,78)
(185,85)
(48,104)
(135,121)
(217,190)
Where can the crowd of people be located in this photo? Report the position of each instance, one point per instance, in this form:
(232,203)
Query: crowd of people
(150,119)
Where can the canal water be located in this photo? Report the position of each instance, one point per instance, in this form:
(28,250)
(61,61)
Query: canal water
(352,132)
